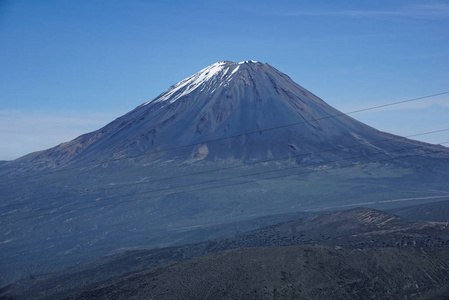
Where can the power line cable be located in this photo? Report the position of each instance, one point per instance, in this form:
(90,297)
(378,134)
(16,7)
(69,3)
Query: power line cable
(219,169)
(229,178)
(226,138)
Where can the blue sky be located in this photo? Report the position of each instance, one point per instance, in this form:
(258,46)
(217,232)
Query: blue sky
(69,67)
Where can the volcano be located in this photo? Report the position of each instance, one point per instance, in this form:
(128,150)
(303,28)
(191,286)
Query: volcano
(244,111)
(232,143)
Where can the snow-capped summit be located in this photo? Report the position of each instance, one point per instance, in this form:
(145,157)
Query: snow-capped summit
(219,72)
(213,72)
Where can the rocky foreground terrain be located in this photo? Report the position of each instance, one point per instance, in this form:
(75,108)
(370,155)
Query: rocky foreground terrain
(353,254)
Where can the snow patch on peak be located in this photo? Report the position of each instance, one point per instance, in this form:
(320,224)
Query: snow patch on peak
(248,61)
(235,70)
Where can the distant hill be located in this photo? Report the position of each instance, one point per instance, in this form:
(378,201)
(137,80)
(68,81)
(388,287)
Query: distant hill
(436,211)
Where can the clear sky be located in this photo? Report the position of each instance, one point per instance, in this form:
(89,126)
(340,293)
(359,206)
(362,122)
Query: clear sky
(68,67)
